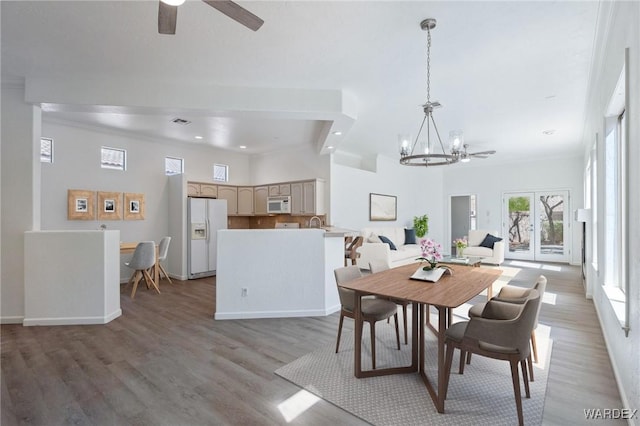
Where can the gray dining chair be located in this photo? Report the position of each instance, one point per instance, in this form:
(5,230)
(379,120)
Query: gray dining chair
(379,265)
(502,332)
(163,250)
(518,295)
(144,257)
(373,310)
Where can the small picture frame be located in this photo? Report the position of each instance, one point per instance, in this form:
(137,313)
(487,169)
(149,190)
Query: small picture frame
(109,205)
(133,206)
(382,207)
(80,204)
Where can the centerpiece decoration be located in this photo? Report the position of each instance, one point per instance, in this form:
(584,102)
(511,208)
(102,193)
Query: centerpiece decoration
(431,252)
(461,244)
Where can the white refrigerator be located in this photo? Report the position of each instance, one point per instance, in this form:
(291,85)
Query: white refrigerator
(206,216)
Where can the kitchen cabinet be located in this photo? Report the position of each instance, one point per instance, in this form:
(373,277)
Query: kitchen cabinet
(260,195)
(229,193)
(279,189)
(307,197)
(197,189)
(245,200)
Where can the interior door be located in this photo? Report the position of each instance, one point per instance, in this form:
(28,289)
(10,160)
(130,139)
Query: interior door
(537,225)
(462,208)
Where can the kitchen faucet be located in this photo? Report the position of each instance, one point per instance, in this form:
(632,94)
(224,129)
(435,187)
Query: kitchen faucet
(319,221)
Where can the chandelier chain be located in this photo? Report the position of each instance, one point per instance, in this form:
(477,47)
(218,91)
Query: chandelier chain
(428,65)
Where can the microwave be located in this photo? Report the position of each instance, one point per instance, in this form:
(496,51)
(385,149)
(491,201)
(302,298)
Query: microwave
(279,204)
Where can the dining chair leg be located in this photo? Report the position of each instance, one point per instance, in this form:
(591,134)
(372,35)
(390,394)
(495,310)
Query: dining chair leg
(404,318)
(525,377)
(529,361)
(136,280)
(515,377)
(339,331)
(150,280)
(462,359)
(534,346)
(163,272)
(372,328)
(397,330)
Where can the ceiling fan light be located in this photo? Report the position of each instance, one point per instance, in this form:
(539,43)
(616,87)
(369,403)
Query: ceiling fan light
(465,160)
(173,2)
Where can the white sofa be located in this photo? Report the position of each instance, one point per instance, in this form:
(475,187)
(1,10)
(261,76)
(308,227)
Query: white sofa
(405,253)
(494,256)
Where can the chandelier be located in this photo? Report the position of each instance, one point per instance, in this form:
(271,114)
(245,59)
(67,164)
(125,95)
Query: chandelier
(423,154)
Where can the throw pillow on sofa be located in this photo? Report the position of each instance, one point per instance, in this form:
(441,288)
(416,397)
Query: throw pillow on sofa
(373,238)
(387,241)
(489,241)
(410,236)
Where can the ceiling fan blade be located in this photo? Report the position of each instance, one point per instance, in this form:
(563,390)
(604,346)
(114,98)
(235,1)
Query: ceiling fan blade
(167,16)
(482,153)
(237,13)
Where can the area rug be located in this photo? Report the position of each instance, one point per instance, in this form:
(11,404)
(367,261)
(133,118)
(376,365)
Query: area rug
(483,395)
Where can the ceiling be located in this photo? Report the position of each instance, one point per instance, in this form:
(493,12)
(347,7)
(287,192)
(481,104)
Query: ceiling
(505,72)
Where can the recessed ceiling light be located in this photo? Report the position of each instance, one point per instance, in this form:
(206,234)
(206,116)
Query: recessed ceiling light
(337,133)
(329,147)
(198,137)
(549,132)
(243,147)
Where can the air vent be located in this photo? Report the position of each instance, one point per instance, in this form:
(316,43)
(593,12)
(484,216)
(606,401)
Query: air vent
(180,121)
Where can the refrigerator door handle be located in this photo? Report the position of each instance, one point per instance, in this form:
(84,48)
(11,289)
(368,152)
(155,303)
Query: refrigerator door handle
(207,229)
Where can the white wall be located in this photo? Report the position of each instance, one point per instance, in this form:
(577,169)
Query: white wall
(490,182)
(418,191)
(291,164)
(20,195)
(618,29)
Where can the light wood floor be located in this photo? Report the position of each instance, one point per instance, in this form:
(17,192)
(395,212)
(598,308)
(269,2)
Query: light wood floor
(166,361)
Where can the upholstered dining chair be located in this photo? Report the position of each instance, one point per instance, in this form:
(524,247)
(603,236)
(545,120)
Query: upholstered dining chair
(513,294)
(379,265)
(502,332)
(144,257)
(373,310)
(163,250)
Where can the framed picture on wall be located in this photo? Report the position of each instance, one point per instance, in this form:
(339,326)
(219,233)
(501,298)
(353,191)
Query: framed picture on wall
(133,206)
(109,205)
(80,204)
(382,207)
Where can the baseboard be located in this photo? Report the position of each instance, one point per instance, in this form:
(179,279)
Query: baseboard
(272,314)
(11,320)
(72,320)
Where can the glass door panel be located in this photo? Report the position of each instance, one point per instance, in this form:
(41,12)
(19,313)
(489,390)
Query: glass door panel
(518,213)
(552,214)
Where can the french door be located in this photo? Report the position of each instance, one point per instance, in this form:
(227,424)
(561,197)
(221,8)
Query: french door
(537,225)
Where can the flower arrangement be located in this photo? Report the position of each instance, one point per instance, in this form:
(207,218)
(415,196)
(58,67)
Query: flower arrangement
(431,252)
(461,243)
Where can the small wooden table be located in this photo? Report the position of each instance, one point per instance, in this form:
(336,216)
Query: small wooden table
(128,248)
(449,292)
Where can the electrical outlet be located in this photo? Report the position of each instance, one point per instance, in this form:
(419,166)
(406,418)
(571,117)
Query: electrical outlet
(245,291)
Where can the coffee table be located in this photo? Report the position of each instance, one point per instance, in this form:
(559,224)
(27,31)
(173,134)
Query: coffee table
(463,260)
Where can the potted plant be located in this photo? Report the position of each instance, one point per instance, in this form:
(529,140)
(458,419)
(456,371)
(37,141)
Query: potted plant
(421,225)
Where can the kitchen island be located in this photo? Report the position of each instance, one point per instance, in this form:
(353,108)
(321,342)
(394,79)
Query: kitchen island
(277,273)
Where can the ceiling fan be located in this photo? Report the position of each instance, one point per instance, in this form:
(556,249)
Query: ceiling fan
(465,156)
(168,12)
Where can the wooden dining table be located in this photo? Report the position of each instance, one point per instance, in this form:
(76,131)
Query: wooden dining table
(130,247)
(449,292)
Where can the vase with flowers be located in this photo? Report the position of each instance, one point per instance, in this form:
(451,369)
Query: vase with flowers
(461,244)
(431,252)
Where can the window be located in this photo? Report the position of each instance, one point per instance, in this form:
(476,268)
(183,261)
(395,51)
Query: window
(113,158)
(173,166)
(220,173)
(614,202)
(46,150)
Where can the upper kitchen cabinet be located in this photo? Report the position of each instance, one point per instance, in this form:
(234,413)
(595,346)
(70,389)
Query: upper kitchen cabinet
(245,200)
(229,193)
(260,195)
(307,197)
(197,189)
(279,189)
